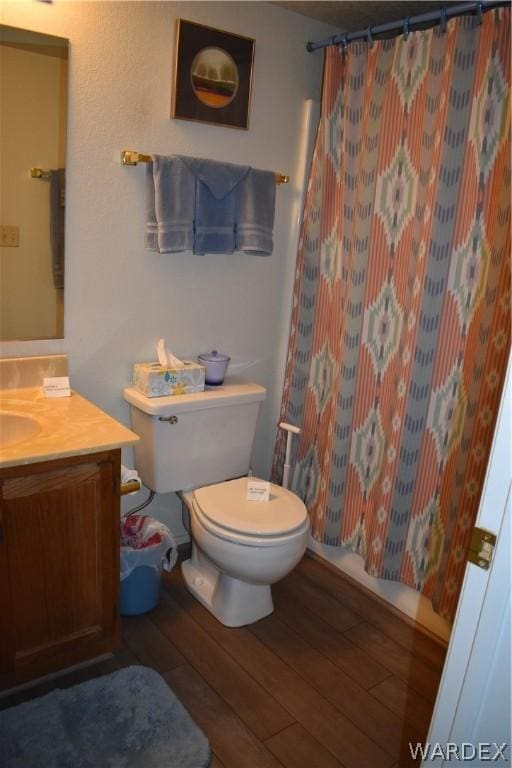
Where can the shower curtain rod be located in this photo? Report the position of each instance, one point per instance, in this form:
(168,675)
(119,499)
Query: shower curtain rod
(404,25)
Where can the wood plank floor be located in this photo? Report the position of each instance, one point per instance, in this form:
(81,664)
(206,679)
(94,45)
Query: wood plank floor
(333,678)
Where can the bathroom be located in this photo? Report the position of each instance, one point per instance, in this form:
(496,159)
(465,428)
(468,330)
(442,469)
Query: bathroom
(120,299)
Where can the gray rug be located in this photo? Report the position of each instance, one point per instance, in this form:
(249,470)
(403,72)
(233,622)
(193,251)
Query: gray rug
(129,719)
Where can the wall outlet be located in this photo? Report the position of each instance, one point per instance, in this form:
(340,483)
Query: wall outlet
(9,236)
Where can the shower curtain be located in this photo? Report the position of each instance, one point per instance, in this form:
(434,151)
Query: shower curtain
(400,328)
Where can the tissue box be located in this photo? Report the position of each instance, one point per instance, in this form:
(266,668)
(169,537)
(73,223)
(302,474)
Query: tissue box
(155,380)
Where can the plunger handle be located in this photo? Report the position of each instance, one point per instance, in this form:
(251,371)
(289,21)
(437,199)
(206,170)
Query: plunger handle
(291,430)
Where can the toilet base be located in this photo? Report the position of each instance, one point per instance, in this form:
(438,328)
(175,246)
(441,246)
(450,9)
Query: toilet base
(233,602)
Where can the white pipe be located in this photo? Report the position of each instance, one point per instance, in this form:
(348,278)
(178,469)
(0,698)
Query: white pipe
(291,430)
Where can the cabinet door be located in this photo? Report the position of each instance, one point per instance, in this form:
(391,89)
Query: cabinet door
(60,552)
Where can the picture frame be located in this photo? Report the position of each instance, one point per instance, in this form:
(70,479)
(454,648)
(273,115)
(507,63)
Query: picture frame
(212,76)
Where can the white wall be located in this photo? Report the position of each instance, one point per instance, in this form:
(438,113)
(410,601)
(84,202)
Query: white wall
(119,298)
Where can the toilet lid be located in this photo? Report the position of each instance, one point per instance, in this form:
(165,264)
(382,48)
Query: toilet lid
(226,505)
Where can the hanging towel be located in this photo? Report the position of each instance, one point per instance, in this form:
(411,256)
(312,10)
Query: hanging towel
(217,190)
(255,213)
(170,205)
(208,207)
(57,212)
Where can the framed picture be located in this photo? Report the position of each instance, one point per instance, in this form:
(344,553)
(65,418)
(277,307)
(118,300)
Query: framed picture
(212,76)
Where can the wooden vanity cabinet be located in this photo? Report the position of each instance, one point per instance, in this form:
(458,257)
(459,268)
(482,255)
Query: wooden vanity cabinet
(59,564)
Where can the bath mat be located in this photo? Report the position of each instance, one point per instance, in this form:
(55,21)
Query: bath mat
(129,719)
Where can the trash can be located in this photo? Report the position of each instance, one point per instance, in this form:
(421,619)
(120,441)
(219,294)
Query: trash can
(147,547)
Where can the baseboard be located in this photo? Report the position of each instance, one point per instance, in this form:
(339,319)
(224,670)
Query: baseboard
(384,604)
(184,550)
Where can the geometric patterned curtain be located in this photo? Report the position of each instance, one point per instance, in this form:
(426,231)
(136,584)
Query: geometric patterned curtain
(400,329)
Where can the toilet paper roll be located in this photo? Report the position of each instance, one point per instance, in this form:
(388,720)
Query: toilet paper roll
(130,476)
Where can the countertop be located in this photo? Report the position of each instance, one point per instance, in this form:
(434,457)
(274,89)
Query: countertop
(70,426)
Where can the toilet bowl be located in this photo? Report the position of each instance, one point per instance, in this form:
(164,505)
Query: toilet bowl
(240,548)
(193,445)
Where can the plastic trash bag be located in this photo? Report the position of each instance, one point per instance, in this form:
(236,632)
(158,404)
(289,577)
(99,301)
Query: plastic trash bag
(146,541)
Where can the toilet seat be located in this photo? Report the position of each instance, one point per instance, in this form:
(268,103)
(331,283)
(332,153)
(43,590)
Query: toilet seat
(223,510)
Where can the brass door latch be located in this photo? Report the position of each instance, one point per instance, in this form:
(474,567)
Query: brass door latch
(481,547)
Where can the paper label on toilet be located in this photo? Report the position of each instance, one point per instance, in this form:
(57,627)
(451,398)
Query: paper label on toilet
(258,490)
(56,386)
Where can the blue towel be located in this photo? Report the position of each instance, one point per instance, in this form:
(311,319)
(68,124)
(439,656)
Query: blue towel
(217,189)
(170,204)
(256,202)
(57,213)
(208,207)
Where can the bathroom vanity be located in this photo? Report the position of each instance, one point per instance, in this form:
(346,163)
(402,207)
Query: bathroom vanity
(59,532)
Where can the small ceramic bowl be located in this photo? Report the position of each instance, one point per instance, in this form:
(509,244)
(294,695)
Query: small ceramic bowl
(216,366)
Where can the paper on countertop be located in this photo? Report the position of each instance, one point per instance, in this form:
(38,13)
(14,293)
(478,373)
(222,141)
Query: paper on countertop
(166,358)
(56,386)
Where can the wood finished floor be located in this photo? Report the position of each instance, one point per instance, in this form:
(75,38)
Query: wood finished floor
(331,679)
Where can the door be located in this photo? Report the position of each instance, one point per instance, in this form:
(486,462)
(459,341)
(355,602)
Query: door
(472,715)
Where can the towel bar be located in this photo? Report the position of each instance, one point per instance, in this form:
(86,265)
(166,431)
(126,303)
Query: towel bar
(39,173)
(131,157)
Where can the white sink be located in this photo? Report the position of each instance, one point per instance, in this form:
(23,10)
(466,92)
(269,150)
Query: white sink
(16,428)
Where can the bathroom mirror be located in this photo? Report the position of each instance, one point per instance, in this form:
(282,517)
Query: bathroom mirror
(33,119)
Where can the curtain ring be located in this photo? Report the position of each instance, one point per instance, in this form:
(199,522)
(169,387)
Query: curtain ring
(407,21)
(344,45)
(369,37)
(442,24)
(480,10)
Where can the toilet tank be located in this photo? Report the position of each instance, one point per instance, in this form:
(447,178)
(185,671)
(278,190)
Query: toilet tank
(187,441)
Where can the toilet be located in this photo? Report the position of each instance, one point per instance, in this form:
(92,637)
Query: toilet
(199,446)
